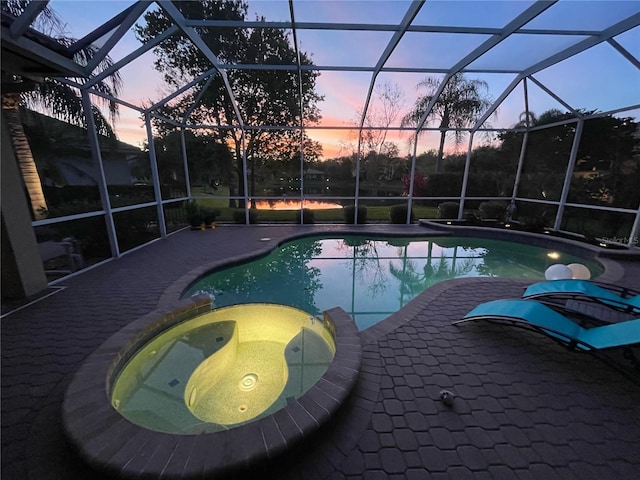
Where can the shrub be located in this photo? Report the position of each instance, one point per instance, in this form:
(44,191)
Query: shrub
(471,218)
(194,214)
(209,215)
(239,216)
(70,207)
(448,210)
(398,213)
(308,216)
(492,210)
(349,214)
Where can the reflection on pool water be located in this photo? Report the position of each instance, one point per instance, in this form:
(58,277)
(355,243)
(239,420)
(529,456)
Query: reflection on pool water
(223,369)
(372,278)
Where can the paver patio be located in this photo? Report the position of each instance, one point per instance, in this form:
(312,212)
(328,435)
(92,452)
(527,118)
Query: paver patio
(525,407)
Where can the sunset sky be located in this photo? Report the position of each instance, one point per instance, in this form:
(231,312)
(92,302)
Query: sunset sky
(600,78)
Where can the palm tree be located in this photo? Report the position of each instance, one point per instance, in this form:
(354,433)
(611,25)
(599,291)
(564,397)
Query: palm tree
(413,281)
(56,99)
(459,105)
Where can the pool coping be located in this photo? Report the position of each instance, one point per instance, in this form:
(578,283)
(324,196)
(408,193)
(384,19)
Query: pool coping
(112,444)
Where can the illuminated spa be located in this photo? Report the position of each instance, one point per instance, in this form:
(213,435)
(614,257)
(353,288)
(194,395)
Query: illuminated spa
(223,368)
(229,383)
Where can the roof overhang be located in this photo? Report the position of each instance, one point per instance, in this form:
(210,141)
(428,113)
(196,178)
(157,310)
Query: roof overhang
(34,56)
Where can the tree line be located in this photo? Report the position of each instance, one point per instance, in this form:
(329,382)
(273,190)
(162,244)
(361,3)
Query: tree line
(269,100)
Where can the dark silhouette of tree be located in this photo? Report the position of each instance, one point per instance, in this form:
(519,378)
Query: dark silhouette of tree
(265,97)
(208,159)
(606,171)
(55,99)
(382,113)
(460,104)
(361,254)
(413,281)
(546,155)
(284,151)
(492,171)
(284,276)
(379,157)
(419,184)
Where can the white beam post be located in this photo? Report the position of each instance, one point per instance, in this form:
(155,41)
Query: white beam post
(92,134)
(155,176)
(569,174)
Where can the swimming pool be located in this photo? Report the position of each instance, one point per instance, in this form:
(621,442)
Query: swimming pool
(371,277)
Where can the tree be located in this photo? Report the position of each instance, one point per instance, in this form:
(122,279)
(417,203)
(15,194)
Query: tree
(492,171)
(288,277)
(384,111)
(280,154)
(283,152)
(419,184)
(414,281)
(208,159)
(265,97)
(55,99)
(606,171)
(458,106)
(378,156)
(341,172)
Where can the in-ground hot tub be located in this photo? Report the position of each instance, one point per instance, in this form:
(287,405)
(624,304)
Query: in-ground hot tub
(223,368)
(194,391)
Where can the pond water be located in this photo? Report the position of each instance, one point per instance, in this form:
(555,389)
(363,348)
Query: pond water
(295,204)
(371,278)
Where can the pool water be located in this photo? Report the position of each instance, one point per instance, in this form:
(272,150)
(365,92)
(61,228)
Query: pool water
(372,278)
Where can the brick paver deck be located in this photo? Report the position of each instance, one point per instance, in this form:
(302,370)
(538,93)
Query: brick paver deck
(524,406)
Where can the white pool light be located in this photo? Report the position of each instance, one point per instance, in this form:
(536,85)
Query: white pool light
(558,271)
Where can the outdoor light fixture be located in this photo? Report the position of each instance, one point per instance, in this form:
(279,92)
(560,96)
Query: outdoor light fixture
(579,271)
(558,272)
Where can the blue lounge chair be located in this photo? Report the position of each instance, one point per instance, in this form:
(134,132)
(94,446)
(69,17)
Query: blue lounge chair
(543,318)
(623,299)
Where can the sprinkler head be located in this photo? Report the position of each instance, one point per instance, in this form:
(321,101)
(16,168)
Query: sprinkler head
(447,397)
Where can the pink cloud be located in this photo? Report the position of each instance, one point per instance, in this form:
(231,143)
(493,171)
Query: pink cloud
(130,128)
